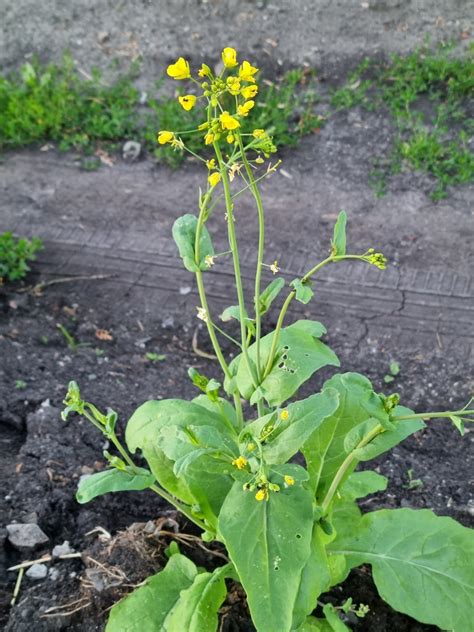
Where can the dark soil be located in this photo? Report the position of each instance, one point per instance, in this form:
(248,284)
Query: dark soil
(44,456)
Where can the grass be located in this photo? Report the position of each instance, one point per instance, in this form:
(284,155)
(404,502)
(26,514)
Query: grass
(427,94)
(15,253)
(55,103)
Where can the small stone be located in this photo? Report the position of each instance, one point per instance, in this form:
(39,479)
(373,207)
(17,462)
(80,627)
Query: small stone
(37,571)
(94,575)
(131,150)
(54,574)
(185,289)
(149,527)
(26,536)
(62,549)
(168,322)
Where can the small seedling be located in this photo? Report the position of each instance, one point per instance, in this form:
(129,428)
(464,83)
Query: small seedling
(20,385)
(394,371)
(413,483)
(71,341)
(155,357)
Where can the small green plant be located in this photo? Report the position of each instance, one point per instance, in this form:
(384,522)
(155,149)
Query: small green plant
(72,343)
(226,458)
(15,254)
(20,385)
(394,371)
(151,356)
(413,483)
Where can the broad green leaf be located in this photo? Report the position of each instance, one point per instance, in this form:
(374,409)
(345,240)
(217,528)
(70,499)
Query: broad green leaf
(269,543)
(361,484)
(389,439)
(146,608)
(184,234)
(233,312)
(422,564)
(147,421)
(324,451)
(197,608)
(220,407)
(458,423)
(315,578)
(112,481)
(333,619)
(270,293)
(339,237)
(299,355)
(303,291)
(162,468)
(304,418)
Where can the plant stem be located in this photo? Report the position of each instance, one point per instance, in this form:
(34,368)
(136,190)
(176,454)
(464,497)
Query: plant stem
(260,254)
(179,506)
(210,326)
(236,260)
(438,415)
(345,466)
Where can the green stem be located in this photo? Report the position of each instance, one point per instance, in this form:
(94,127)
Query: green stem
(179,506)
(346,465)
(260,254)
(438,415)
(236,260)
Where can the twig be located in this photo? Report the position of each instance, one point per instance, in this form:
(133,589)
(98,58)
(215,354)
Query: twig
(40,286)
(45,558)
(49,613)
(16,590)
(186,538)
(199,352)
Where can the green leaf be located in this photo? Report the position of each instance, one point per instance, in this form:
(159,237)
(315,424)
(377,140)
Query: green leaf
(361,484)
(233,312)
(394,368)
(304,292)
(333,619)
(112,481)
(269,549)
(270,293)
(299,355)
(288,436)
(312,624)
(339,236)
(184,234)
(146,608)
(458,423)
(324,451)
(389,439)
(198,605)
(315,578)
(422,564)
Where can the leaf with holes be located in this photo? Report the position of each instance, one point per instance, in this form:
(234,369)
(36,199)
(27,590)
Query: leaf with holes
(422,564)
(269,549)
(299,354)
(184,234)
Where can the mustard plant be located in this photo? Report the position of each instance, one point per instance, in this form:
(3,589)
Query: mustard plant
(226,458)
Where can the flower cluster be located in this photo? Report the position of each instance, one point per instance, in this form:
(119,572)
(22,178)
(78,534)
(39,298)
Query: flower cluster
(376,259)
(229,98)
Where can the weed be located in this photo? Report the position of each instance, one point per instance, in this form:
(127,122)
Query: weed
(393,372)
(20,385)
(14,255)
(155,357)
(72,343)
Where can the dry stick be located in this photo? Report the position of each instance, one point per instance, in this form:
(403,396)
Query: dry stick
(16,590)
(85,277)
(45,558)
(48,613)
(200,352)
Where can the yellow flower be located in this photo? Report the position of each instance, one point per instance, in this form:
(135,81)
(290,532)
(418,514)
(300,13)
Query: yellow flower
(204,71)
(230,138)
(188,101)
(262,494)
(228,121)
(274,267)
(165,137)
(258,133)
(214,178)
(244,109)
(259,160)
(249,92)
(211,164)
(251,447)
(289,480)
(284,416)
(229,57)
(240,463)
(179,70)
(233,85)
(247,71)
(209,138)
(209,260)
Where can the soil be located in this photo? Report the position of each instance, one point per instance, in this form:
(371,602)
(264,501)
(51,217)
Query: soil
(109,264)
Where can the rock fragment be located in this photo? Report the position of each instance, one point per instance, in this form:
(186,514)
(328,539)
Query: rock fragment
(26,536)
